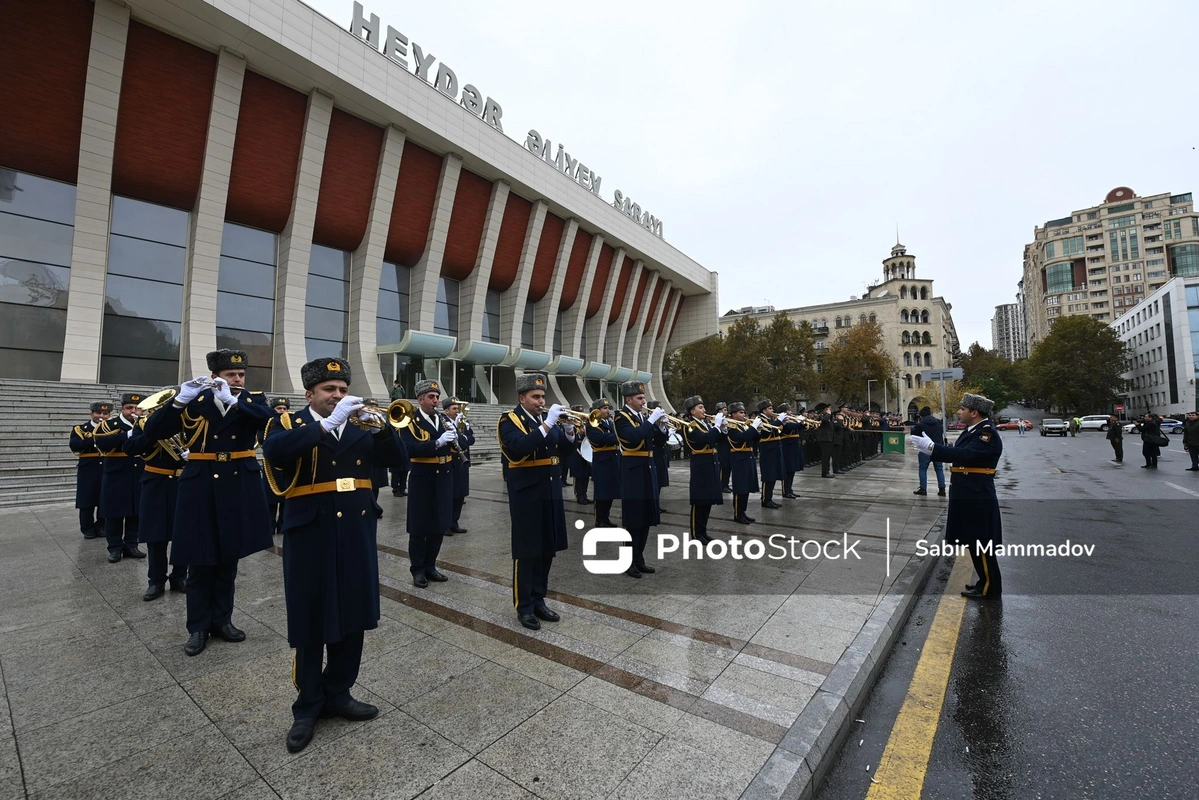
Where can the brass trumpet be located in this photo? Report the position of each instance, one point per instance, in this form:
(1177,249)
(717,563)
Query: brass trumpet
(398,415)
(576,418)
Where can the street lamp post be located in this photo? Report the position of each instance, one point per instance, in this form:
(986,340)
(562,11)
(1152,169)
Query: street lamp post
(872,380)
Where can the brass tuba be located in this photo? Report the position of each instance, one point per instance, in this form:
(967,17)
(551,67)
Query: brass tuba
(174,445)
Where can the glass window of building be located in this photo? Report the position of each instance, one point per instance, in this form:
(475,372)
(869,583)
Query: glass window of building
(1059,277)
(1185,258)
(445,313)
(391,314)
(491,317)
(245,298)
(526,327)
(325,318)
(37,218)
(143,308)
(1050,250)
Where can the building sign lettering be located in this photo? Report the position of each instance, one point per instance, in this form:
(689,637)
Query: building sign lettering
(563,162)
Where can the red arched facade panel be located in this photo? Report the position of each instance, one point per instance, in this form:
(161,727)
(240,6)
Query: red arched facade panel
(638,298)
(599,284)
(575,267)
(43,58)
(416,192)
(622,288)
(547,254)
(343,207)
(510,243)
(266,153)
(162,122)
(466,225)
(653,305)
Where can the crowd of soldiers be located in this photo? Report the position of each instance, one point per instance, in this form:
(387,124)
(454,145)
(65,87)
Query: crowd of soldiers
(178,472)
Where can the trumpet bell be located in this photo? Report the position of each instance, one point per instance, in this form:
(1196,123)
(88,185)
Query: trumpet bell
(158,400)
(401,413)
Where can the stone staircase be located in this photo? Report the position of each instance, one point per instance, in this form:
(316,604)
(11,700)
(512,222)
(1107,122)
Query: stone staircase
(37,466)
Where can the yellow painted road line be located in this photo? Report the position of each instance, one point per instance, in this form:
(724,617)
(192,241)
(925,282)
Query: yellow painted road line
(900,775)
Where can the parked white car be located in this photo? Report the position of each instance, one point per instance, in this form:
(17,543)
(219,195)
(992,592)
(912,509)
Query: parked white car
(1095,422)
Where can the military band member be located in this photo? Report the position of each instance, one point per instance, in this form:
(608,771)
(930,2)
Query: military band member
(770,453)
(221,514)
(840,437)
(661,459)
(793,429)
(460,459)
(534,446)
(704,489)
(973,516)
(120,489)
(330,563)
(605,463)
(280,405)
(580,468)
(639,437)
(825,435)
(723,456)
(89,470)
(430,484)
(156,508)
(744,463)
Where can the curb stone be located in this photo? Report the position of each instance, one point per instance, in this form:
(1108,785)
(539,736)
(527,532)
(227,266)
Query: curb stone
(806,752)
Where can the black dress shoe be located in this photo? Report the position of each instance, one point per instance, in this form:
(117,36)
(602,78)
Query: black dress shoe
(420,581)
(583,501)
(154,591)
(230,633)
(941,492)
(791,496)
(114,556)
(435,576)
(703,538)
(633,572)
(300,734)
(826,476)
(771,504)
(647,569)
(607,523)
(398,493)
(133,552)
(352,710)
(970,587)
(920,492)
(531,622)
(378,512)
(91,535)
(457,529)
(177,584)
(744,520)
(542,612)
(726,490)
(662,510)
(196,643)
(975,594)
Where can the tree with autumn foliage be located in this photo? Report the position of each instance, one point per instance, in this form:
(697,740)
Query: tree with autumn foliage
(858,356)
(746,364)
(1078,366)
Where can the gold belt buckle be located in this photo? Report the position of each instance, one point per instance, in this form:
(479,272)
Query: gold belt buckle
(222,456)
(345,485)
(553,460)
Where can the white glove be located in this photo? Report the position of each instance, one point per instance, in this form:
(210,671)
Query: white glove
(190,390)
(446,438)
(757,423)
(222,392)
(184,454)
(782,418)
(551,418)
(657,414)
(568,429)
(922,443)
(719,421)
(345,407)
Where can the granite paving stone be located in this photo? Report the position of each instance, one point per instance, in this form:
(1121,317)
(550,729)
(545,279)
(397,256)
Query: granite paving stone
(677,770)
(474,780)
(594,751)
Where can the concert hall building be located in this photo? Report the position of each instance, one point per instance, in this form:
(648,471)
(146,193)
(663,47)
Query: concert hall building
(182,175)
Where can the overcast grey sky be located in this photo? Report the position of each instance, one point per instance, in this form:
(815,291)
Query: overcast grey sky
(781,142)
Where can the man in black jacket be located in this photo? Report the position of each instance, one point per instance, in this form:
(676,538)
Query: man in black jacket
(824,439)
(1190,439)
(1115,435)
(931,427)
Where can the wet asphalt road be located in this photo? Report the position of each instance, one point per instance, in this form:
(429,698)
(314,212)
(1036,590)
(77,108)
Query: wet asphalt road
(1083,682)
